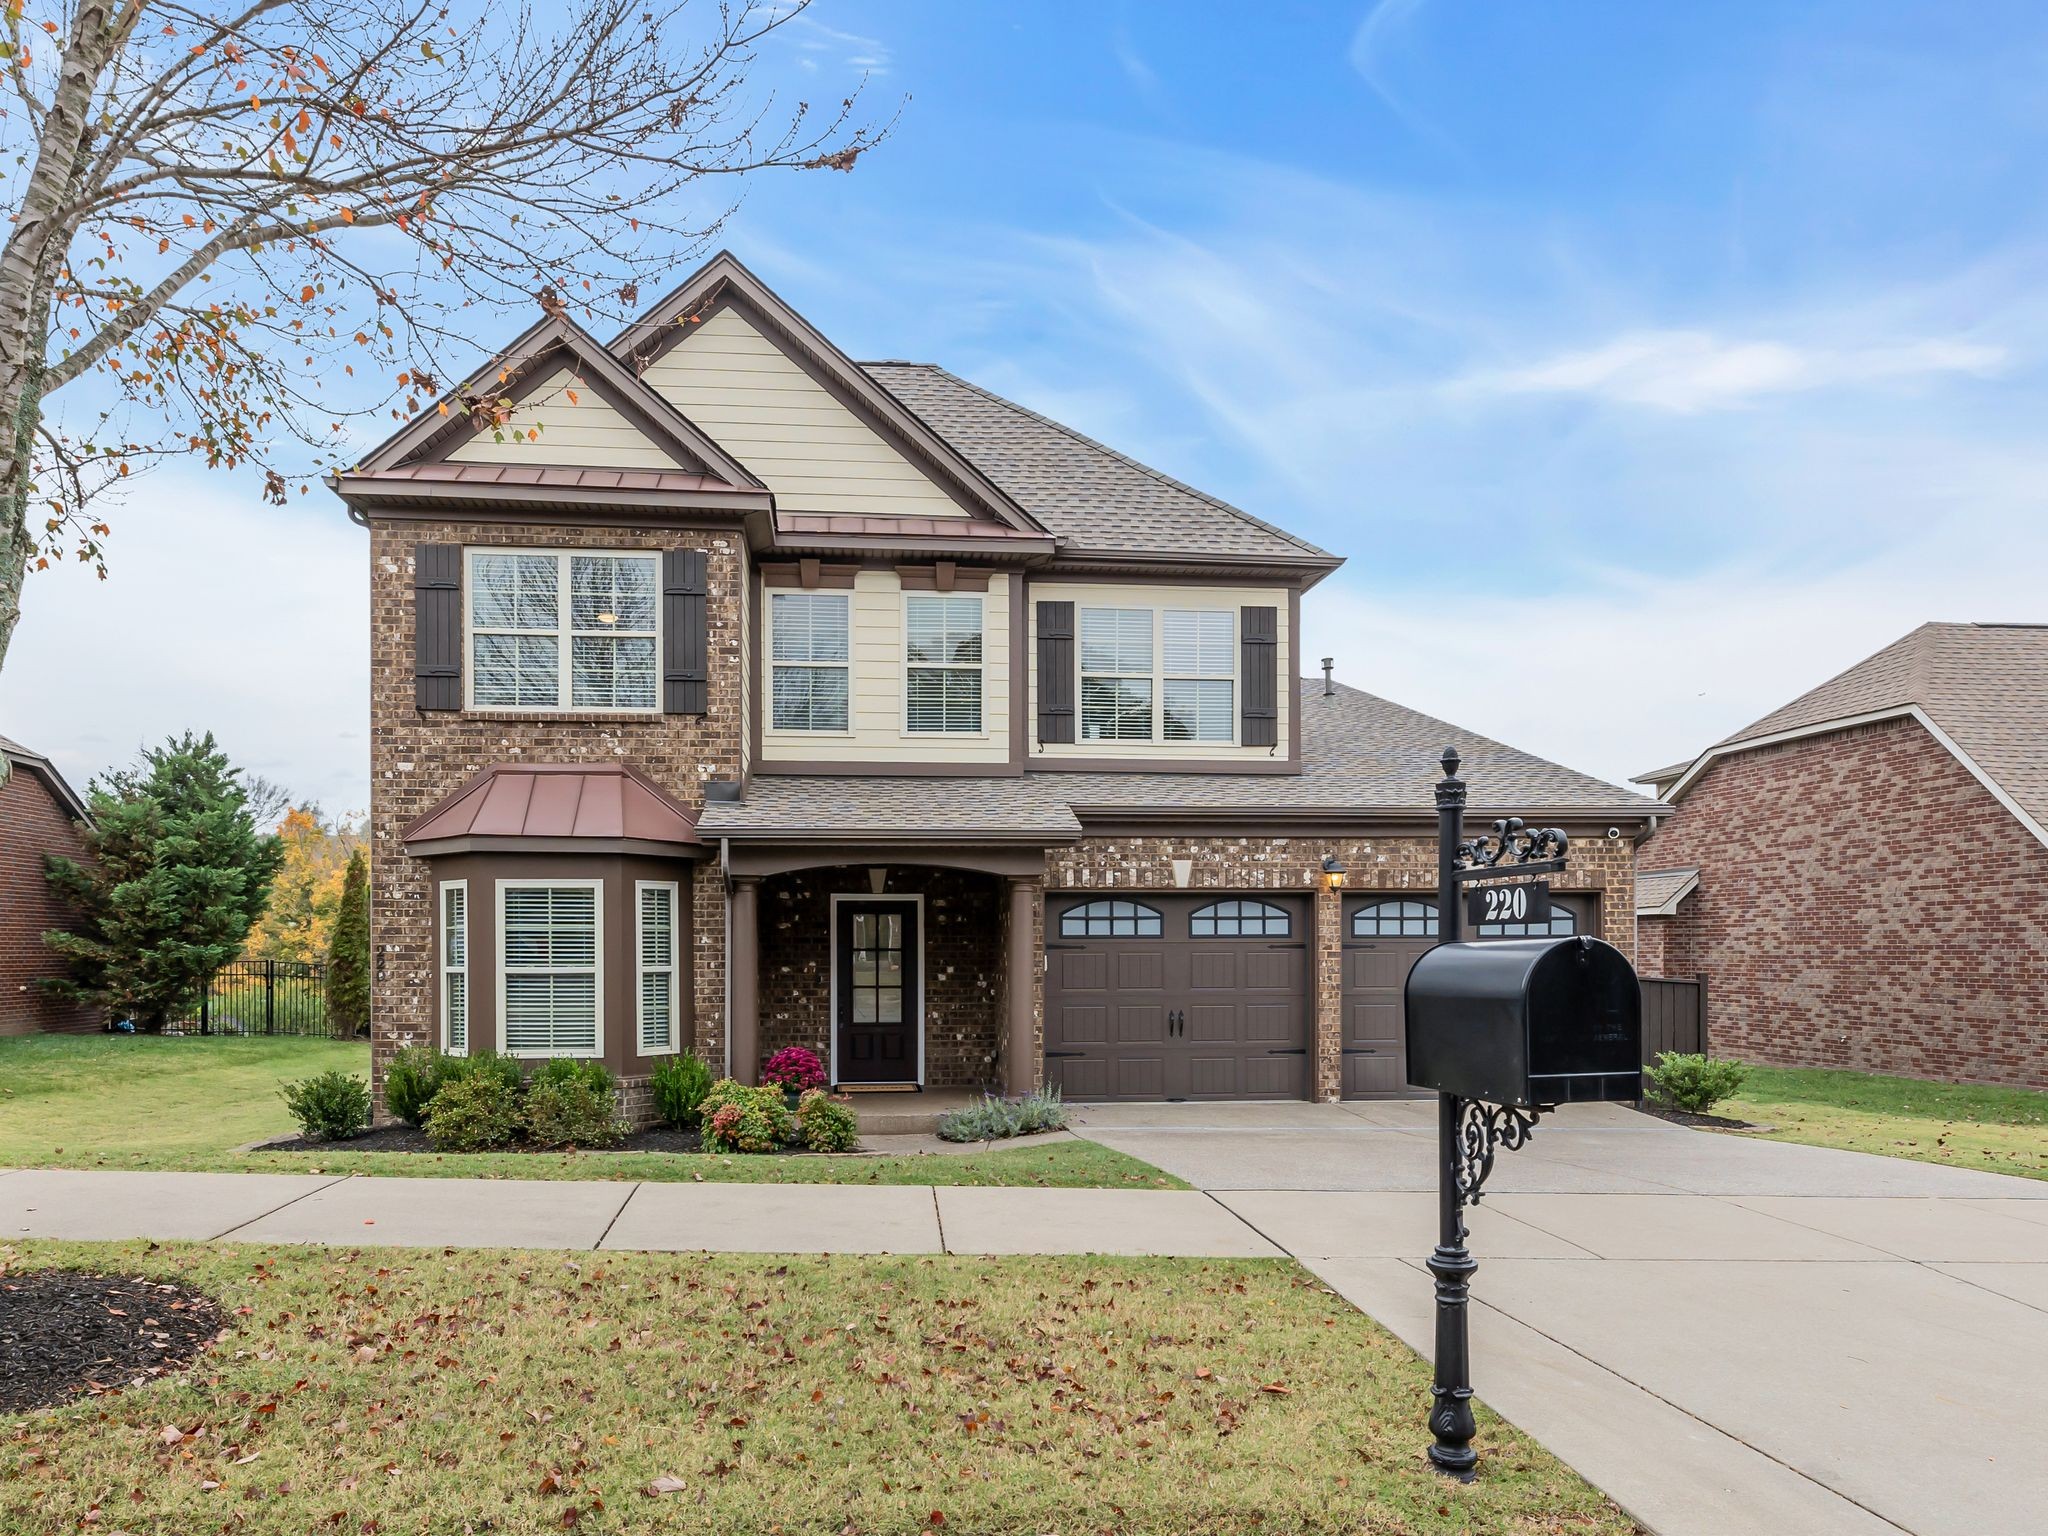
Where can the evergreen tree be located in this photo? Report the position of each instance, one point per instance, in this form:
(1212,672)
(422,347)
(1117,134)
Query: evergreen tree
(175,876)
(348,952)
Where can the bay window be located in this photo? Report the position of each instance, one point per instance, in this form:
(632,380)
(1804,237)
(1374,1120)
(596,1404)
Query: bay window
(655,957)
(809,647)
(942,680)
(563,630)
(550,968)
(455,967)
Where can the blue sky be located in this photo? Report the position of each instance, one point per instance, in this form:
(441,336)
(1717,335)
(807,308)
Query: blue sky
(1647,363)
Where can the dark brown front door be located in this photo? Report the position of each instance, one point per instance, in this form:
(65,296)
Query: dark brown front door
(1157,996)
(876,989)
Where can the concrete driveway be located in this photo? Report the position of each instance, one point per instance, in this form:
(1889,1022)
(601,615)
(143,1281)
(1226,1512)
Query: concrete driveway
(1729,1336)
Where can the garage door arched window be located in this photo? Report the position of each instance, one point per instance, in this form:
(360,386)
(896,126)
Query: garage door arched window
(1395,919)
(1241,920)
(1562,923)
(1111,920)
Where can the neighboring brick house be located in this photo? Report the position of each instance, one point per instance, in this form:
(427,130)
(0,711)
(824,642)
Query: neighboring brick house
(40,815)
(729,694)
(1858,874)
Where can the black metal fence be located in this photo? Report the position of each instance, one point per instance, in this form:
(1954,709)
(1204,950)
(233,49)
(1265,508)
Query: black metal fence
(263,997)
(1674,1017)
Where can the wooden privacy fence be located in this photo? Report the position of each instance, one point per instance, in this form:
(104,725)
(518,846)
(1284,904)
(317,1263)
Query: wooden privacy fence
(1674,1016)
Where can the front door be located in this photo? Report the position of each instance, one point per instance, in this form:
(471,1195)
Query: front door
(876,991)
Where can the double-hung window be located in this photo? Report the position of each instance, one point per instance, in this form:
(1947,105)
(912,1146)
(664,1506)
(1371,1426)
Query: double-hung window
(455,967)
(809,646)
(655,956)
(550,969)
(942,682)
(1158,674)
(563,630)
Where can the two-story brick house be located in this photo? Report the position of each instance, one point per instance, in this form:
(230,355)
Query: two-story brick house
(730,694)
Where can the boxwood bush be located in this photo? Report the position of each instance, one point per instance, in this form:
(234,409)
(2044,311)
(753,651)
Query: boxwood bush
(411,1081)
(1693,1083)
(572,1110)
(474,1112)
(330,1107)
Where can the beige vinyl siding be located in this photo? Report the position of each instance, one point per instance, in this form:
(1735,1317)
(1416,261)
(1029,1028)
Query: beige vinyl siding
(586,433)
(875,695)
(812,452)
(1106,595)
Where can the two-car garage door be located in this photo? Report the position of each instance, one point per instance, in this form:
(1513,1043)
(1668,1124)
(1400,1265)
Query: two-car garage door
(1168,997)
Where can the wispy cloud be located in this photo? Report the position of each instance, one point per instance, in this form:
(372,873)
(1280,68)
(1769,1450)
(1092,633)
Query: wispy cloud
(1688,371)
(1143,77)
(818,45)
(1373,47)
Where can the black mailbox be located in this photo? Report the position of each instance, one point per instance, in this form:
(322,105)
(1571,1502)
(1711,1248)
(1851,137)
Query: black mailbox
(1526,1022)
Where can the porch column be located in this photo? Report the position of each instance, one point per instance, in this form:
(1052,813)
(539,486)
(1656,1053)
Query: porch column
(743,987)
(1020,1043)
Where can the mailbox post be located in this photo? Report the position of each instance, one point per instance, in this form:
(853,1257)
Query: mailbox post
(1502,1031)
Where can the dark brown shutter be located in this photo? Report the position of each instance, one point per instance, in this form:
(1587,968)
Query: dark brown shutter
(685,632)
(1055,672)
(1259,660)
(437,626)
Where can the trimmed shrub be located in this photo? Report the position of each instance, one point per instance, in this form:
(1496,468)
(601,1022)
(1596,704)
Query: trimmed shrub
(794,1067)
(505,1069)
(742,1119)
(410,1083)
(1694,1084)
(573,1069)
(826,1124)
(473,1112)
(679,1085)
(993,1119)
(330,1107)
(568,1111)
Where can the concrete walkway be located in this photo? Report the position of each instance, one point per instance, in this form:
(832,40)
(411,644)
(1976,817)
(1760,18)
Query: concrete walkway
(1728,1336)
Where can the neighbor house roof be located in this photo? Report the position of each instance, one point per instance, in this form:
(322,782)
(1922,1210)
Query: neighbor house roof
(1980,689)
(1092,497)
(44,769)
(1659,891)
(1362,757)
(544,807)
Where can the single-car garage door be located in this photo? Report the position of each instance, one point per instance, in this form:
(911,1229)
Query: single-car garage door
(1153,996)
(1383,935)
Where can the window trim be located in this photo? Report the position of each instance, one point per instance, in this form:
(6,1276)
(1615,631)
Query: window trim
(1429,917)
(597,969)
(769,729)
(443,970)
(1143,910)
(564,632)
(1269,911)
(1159,677)
(980,668)
(674,967)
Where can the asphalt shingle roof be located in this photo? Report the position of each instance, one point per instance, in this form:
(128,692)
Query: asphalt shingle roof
(1656,887)
(1087,495)
(1985,685)
(1360,754)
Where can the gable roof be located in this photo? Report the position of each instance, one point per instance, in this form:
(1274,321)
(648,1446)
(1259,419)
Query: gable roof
(539,352)
(1659,891)
(1981,690)
(553,807)
(44,769)
(1093,498)
(725,279)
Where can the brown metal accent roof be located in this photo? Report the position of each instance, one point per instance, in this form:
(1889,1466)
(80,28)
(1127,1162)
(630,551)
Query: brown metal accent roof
(559,477)
(1093,498)
(597,803)
(1984,685)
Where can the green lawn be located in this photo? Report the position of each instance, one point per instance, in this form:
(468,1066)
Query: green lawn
(2003,1130)
(134,1101)
(441,1392)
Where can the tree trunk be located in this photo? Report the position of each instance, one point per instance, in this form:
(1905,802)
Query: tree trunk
(20,408)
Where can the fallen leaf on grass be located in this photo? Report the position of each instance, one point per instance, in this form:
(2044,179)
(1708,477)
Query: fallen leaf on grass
(666,1483)
(1277,1389)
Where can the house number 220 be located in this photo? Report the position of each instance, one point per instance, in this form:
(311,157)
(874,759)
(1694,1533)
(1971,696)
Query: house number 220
(1528,902)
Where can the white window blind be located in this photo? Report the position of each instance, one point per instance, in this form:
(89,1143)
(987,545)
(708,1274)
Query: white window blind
(1199,648)
(1116,674)
(521,656)
(809,647)
(657,966)
(455,968)
(942,685)
(549,968)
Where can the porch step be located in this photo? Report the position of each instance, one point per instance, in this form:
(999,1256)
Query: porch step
(908,1114)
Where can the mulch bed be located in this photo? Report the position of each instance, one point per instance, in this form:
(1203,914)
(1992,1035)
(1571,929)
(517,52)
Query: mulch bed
(404,1138)
(65,1334)
(1702,1122)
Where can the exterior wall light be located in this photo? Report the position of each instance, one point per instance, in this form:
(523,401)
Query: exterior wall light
(1333,872)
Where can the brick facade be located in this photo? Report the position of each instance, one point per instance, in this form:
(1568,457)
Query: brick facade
(1864,902)
(1293,864)
(33,823)
(417,757)
(963,964)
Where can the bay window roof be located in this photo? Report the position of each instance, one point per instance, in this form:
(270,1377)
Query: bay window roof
(557,808)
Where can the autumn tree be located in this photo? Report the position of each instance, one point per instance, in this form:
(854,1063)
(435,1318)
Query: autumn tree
(307,891)
(234,229)
(348,952)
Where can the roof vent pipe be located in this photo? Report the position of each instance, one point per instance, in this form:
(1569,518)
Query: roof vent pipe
(1329,683)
